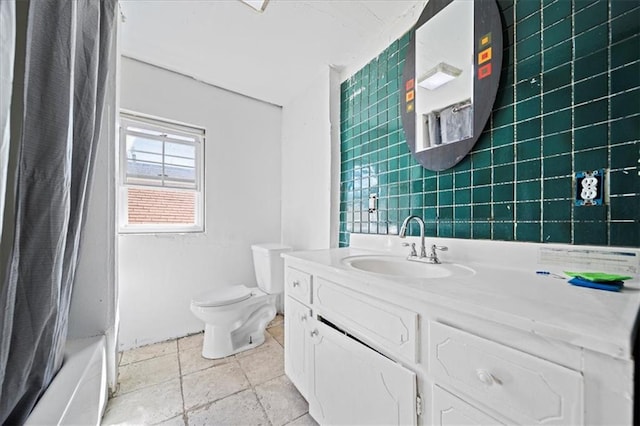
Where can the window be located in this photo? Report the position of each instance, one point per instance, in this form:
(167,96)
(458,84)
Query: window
(161,176)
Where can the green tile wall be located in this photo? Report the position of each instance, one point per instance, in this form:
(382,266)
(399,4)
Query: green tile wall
(569,101)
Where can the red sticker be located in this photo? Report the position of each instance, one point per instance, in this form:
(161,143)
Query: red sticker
(409,85)
(484,71)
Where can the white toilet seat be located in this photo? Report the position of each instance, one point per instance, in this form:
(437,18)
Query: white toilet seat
(222,297)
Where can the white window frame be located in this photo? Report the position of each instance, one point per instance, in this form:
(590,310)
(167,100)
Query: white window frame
(142,121)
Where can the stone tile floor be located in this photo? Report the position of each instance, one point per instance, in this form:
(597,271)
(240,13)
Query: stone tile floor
(169,383)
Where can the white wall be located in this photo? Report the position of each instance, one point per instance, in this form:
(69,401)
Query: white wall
(160,273)
(311,148)
(306,167)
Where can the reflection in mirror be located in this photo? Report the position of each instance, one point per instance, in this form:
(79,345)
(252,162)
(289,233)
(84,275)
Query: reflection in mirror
(444,77)
(450,78)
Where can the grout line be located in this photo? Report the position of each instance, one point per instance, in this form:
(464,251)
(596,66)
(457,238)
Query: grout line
(184,411)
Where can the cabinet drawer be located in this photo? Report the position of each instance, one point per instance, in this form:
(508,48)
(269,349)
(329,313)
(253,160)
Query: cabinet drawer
(448,410)
(382,324)
(523,387)
(298,285)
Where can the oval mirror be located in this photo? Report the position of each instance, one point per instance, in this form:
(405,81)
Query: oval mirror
(450,77)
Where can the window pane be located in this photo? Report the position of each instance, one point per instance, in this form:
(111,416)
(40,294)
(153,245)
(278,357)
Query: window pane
(161,206)
(144,161)
(180,165)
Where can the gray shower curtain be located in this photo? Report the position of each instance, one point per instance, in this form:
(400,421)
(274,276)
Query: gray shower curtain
(66,66)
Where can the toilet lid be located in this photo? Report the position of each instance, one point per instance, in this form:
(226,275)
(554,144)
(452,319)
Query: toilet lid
(223,296)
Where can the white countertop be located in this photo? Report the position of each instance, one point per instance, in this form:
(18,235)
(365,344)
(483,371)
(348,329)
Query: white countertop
(506,289)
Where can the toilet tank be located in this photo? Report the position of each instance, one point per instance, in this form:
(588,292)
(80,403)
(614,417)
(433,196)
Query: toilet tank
(269,266)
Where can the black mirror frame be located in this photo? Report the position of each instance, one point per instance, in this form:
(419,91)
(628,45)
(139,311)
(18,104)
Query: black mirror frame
(486,17)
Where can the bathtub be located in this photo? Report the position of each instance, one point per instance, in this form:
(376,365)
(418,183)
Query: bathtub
(78,393)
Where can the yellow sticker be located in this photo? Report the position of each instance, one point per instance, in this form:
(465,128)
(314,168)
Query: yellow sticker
(484,56)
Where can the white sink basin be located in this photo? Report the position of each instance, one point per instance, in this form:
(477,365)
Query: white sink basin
(398,266)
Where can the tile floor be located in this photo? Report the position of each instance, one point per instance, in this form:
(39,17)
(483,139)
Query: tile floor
(169,383)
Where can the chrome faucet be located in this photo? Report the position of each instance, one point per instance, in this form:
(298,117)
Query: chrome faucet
(403,234)
(432,257)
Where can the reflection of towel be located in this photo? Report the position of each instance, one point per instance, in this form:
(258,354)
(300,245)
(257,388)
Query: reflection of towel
(433,127)
(456,123)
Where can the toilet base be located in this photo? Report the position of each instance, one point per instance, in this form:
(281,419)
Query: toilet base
(221,341)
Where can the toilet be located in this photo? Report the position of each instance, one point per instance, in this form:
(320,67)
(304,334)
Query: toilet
(236,317)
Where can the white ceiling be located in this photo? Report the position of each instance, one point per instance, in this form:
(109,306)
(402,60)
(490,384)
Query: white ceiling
(270,56)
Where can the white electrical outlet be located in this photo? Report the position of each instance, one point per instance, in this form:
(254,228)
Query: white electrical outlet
(590,188)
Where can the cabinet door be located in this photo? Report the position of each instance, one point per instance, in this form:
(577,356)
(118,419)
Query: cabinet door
(352,384)
(448,410)
(296,343)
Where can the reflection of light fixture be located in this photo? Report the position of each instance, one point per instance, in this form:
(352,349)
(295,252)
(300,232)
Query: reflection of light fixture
(259,5)
(439,75)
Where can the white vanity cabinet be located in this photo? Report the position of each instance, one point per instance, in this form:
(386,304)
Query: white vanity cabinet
(296,324)
(367,350)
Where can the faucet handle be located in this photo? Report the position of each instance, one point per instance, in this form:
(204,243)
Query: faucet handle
(441,248)
(413,249)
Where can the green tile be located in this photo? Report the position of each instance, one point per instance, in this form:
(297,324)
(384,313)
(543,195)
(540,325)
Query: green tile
(556,100)
(529,108)
(481,231)
(557,77)
(590,17)
(462,196)
(625,78)
(625,234)
(625,51)
(557,210)
(558,188)
(591,160)
(558,55)
(557,143)
(481,159)
(527,89)
(618,7)
(529,68)
(504,97)
(625,26)
(625,208)
(626,129)
(559,165)
(528,47)
(503,174)
(481,212)
(462,180)
(445,213)
(528,150)
(503,231)
(503,155)
(528,211)
(462,213)
(482,194)
(556,232)
(502,116)
(625,104)
(594,233)
(528,190)
(445,229)
(503,136)
(591,137)
(529,129)
(528,232)
(481,176)
(556,11)
(591,89)
(528,170)
(556,33)
(557,122)
(590,65)
(623,182)
(503,192)
(589,213)
(526,8)
(445,198)
(462,230)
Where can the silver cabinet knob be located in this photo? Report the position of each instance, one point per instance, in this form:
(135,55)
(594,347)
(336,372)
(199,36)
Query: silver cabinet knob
(485,377)
(296,283)
(314,333)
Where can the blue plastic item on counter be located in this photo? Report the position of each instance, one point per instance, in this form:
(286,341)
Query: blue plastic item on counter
(609,286)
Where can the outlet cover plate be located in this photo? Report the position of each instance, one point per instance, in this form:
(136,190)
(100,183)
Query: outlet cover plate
(589,188)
